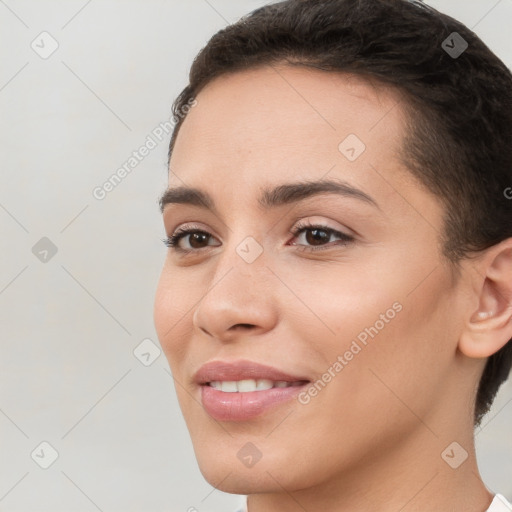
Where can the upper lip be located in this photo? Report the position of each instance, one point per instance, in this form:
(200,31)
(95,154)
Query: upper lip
(241,370)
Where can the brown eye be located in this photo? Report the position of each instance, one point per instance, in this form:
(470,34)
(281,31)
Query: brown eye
(317,237)
(196,240)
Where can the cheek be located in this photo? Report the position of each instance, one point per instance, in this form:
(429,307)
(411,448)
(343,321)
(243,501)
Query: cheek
(382,325)
(171,316)
(406,364)
(334,307)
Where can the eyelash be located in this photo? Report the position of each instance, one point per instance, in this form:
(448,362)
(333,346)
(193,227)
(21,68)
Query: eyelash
(173,241)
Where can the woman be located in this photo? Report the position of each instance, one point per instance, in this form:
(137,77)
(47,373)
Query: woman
(336,302)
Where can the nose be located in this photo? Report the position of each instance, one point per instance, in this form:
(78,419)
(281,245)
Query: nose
(239,299)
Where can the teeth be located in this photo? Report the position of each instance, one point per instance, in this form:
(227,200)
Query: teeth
(228,386)
(263,384)
(248,385)
(253,385)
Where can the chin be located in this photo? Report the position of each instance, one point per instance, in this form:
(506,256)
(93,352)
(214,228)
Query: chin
(221,464)
(235,479)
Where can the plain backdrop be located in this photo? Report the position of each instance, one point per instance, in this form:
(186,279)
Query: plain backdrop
(78,274)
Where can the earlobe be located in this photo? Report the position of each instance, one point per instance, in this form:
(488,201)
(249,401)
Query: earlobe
(489,327)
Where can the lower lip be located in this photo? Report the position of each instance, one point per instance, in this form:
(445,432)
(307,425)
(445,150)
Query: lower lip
(236,406)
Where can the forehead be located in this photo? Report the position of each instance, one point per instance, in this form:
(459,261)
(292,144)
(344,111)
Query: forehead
(286,118)
(271,125)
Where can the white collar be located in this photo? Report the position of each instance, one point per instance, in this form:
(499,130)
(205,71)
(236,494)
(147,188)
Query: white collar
(499,504)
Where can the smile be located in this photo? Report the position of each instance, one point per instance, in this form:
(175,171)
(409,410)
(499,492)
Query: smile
(243,390)
(249,385)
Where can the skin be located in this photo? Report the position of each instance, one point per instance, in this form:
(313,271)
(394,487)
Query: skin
(372,438)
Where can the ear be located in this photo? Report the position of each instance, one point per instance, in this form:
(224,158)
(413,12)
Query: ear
(489,326)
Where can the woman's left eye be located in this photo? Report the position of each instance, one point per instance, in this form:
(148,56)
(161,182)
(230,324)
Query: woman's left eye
(318,235)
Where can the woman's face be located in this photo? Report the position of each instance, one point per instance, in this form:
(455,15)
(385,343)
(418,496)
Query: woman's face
(363,302)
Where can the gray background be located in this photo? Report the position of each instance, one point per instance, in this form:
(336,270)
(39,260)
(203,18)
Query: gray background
(70,323)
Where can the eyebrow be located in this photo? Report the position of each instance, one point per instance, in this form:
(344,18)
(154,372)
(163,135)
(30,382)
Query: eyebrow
(270,198)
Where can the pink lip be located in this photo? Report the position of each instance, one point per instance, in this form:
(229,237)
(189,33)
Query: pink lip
(239,370)
(236,406)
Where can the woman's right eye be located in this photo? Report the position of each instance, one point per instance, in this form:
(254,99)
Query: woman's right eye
(196,237)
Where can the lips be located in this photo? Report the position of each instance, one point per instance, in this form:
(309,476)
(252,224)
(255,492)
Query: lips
(242,370)
(244,390)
